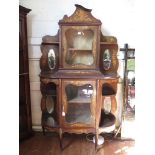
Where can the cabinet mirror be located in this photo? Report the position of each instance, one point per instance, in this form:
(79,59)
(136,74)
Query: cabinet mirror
(51,59)
(106,59)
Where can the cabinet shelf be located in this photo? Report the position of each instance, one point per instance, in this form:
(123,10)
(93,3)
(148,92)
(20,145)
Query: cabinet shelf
(76,49)
(80,99)
(106,95)
(79,56)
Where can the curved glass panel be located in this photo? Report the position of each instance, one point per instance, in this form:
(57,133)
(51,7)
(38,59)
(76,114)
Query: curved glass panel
(49,104)
(106,59)
(79,99)
(79,47)
(51,59)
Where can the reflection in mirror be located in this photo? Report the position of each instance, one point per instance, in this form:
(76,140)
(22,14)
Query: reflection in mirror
(51,59)
(107,59)
(79,47)
(49,104)
(79,100)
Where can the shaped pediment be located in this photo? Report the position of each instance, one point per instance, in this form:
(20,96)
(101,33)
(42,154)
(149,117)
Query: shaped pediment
(80,15)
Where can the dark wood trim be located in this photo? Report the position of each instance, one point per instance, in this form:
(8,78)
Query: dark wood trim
(24,10)
(24,76)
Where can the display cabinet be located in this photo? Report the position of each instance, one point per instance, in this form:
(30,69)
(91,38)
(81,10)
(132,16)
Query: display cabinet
(78,76)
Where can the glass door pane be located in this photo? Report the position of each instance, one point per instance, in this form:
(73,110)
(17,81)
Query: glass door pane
(79,46)
(79,102)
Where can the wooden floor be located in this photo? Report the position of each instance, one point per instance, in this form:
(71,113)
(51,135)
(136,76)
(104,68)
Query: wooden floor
(73,145)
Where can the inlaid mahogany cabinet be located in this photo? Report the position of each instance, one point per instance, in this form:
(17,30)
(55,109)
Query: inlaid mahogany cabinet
(78,76)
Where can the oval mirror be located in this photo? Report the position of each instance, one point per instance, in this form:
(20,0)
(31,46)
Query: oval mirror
(107,59)
(51,59)
(49,104)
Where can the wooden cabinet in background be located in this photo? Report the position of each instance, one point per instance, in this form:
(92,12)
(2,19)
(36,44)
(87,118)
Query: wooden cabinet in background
(25,125)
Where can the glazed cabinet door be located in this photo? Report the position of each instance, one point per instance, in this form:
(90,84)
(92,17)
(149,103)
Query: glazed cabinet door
(79,46)
(78,103)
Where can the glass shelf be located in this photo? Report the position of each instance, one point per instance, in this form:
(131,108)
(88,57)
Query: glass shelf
(80,100)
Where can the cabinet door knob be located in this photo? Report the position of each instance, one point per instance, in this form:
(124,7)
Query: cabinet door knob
(63,112)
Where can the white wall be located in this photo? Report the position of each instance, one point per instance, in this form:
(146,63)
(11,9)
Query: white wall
(117,20)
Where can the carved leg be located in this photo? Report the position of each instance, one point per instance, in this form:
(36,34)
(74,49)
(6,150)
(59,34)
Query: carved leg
(60,137)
